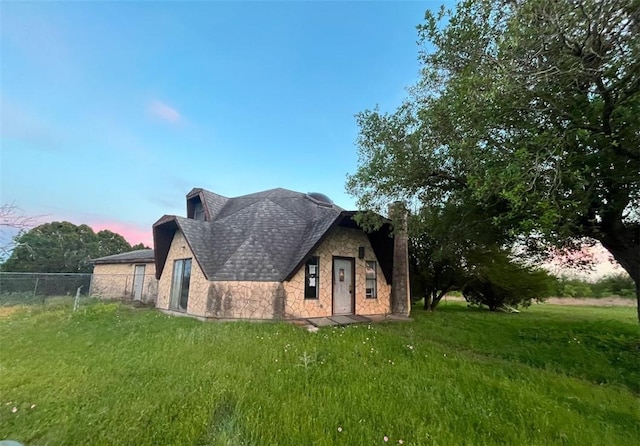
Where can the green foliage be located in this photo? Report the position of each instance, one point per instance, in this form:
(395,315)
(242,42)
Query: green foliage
(528,110)
(613,285)
(438,246)
(62,247)
(110,374)
(496,281)
(443,239)
(457,248)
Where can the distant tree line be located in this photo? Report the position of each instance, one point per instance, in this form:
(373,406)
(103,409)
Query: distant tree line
(62,247)
(612,285)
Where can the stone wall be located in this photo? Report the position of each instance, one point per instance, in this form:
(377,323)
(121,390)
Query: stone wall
(198,284)
(245,300)
(115,281)
(342,242)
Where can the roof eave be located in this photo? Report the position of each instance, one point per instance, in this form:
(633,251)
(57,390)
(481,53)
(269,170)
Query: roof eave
(110,262)
(339,219)
(162,243)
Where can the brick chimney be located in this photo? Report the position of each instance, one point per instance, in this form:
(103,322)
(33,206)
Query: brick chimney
(400,300)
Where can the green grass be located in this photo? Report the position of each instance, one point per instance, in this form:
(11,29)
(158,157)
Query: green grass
(110,374)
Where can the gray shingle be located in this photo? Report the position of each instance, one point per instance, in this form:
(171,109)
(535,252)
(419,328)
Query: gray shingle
(256,237)
(214,203)
(140,255)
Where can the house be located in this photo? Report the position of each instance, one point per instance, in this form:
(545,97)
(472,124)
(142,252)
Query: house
(129,276)
(276,254)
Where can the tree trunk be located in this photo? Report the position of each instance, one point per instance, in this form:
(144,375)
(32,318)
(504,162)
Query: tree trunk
(624,245)
(427,301)
(437,297)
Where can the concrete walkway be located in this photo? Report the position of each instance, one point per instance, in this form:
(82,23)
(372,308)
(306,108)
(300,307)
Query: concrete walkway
(341,320)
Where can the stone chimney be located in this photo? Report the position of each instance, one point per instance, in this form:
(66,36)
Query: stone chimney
(400,299)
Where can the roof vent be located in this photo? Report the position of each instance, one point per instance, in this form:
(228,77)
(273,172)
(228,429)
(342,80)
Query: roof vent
(320,199)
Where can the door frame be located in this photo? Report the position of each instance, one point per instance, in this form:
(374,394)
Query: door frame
(135,279)
(352,260)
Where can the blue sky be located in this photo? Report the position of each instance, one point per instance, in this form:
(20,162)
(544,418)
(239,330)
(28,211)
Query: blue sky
(112,112)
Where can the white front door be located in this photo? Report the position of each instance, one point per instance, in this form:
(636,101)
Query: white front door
(138,282)
(343,286)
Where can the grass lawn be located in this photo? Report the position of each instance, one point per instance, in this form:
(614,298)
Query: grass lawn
(111,374)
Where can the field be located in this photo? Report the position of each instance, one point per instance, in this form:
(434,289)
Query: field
(113,374)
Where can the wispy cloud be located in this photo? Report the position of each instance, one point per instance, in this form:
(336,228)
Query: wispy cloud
(19,124)
(164,112)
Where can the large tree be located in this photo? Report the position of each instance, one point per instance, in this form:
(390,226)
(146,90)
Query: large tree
(456,248)
(527,109)
(442,239)
(62,247)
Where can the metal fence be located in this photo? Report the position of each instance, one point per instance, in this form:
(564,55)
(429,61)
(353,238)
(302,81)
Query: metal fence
(38,288)
(43,288)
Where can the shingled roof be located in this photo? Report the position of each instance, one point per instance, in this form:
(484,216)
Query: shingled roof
(138,256)
(265,236)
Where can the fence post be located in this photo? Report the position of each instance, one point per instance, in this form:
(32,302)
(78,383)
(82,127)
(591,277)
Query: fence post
(75,303)
(44,295)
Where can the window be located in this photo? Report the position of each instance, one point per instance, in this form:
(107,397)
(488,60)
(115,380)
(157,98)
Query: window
(180,285)
(198,211)
(311,278)
(371,274)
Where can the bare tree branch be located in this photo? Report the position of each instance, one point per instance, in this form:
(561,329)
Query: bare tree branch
(13,222)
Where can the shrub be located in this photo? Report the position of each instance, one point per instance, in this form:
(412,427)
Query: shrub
(500,282)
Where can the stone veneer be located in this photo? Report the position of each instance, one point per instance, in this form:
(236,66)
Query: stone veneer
(341,242)
(115,281)
(274,300)
(198,284)
(245,300)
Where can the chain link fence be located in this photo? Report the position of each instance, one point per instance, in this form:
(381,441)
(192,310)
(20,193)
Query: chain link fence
(42,288)
(49,288)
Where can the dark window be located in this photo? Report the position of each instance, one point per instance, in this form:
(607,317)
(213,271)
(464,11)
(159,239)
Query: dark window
(311,278)
(372,285)
(198,211)
(180,285)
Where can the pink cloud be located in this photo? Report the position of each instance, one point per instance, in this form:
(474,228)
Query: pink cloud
(164,112)
(134,234)
(599,263)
